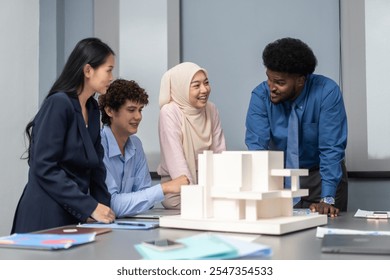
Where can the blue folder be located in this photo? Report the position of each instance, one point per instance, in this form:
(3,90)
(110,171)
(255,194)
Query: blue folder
(45,241)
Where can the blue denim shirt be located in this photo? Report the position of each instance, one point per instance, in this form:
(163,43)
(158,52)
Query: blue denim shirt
(128,178)
(322,127)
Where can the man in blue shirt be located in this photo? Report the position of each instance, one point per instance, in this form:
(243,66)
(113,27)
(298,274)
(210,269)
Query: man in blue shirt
(321,127)
(128,178)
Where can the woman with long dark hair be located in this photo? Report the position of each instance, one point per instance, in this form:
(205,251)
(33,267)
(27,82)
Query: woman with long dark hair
(66,180)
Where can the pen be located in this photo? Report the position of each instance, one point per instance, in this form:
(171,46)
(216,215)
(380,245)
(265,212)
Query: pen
(131,224)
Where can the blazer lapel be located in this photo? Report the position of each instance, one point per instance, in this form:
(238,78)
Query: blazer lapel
(88,145)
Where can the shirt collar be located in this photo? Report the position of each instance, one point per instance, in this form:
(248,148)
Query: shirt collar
(113,148)
(302,96)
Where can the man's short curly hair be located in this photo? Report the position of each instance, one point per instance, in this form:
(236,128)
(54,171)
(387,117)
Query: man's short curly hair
(118,93)
(289,55)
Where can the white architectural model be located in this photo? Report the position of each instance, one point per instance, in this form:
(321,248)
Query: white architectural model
(242,191)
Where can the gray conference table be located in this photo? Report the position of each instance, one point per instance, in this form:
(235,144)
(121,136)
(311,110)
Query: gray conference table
(119,244)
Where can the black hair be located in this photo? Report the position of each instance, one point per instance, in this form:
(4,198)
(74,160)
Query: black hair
(118,93)
(90,51)
(289,55)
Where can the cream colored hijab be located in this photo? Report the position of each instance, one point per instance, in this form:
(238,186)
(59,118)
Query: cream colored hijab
(196,123)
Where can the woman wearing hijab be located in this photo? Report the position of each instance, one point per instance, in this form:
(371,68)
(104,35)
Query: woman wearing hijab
(189,124)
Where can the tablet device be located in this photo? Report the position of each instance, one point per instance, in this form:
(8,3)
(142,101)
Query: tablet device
(356,244)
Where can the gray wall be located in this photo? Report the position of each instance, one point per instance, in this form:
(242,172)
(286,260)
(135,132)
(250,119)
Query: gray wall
(227,38)
(19,72)
(369,194)
(62,24)
(149,33)
(365,43)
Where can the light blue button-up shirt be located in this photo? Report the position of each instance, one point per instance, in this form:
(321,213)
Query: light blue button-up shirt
(322,127)
(128,178)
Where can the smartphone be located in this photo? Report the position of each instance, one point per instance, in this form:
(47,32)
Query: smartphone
(163,244)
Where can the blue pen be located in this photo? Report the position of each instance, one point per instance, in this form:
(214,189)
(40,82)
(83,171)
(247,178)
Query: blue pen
(131,224)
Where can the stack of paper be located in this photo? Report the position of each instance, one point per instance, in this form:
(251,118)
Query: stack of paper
(45,241)
(206,246)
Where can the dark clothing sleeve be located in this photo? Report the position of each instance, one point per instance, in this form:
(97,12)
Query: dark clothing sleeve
(66,176)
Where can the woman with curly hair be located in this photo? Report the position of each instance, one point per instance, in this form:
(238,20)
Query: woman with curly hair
(128,178)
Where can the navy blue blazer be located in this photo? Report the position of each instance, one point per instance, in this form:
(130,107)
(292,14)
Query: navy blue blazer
(66,178)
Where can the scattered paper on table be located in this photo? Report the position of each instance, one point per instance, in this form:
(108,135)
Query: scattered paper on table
(371,214)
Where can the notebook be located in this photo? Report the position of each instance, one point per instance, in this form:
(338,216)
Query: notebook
(41,241)
(356,244)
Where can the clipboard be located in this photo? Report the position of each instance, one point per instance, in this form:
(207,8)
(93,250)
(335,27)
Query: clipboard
(74,229)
